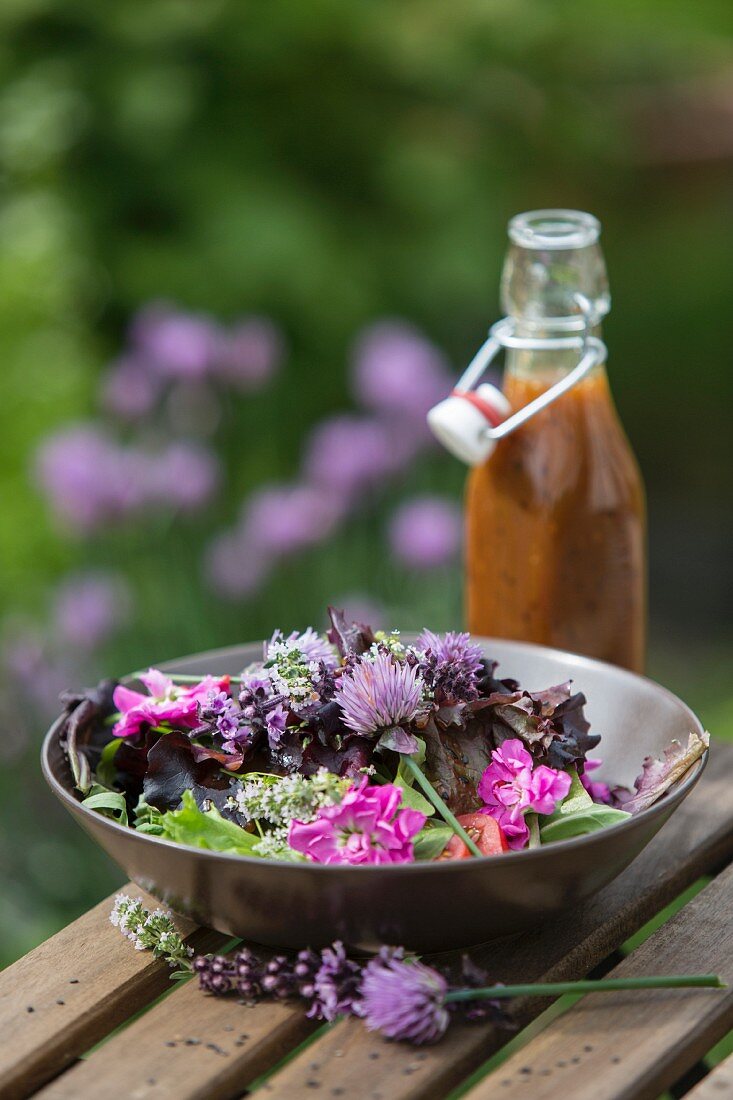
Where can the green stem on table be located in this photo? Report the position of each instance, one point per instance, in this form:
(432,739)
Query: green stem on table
(604,985)
(437,801)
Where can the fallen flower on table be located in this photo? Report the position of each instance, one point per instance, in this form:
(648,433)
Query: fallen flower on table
(152,930)
(395,993)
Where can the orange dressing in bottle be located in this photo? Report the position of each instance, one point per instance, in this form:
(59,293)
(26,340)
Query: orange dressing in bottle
(556,516)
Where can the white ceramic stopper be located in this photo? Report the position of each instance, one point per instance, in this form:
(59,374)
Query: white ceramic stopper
(460,422)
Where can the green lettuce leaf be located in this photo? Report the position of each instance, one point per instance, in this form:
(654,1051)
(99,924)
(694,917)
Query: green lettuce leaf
(431,841)
(104,801)
(404,779)
(197,829)
(580,822)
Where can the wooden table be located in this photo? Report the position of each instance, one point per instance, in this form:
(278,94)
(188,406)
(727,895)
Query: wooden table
(79,987)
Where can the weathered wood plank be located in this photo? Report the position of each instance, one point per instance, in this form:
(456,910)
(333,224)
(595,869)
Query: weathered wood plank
(717,1085)
(698,838)
(631,1046)
(67,994)
(190,1047)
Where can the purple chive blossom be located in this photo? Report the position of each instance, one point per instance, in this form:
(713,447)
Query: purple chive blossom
(90,607)
(348,455)
(396,370)
(450,664)
(284,519)
(335,984)
(176,344)
(366,826)
(599,792)
(378,694)
(250,353)
(512,786)
(130,389)
(233,569)
(185,475)
(425,533)
(87,477)
(404,1000)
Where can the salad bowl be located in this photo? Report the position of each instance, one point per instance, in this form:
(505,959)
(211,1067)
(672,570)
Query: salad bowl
(431,906)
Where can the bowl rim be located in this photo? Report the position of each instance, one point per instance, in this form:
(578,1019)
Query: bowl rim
(670,800)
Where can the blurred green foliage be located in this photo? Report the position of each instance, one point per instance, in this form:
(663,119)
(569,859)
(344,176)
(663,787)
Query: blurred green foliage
(326,163)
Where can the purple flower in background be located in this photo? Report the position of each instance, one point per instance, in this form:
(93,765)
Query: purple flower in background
(87,477)
(349,455)
(511,786)
(379,693)
(599,792)
(450,664)
(129,389)
(282,519)
(185,474)
(177,344)
(250,353)
(425,533)
(404,1000)
(233,569)
(367,826)
(397,371)
(90,607)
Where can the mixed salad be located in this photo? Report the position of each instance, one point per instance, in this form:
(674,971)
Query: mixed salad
(351,747)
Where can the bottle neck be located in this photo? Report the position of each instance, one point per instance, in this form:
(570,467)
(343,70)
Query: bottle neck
(550,363)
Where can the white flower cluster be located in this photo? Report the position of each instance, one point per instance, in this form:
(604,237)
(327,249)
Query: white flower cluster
(290,671)
(390,642)
(149,930)
(276,801)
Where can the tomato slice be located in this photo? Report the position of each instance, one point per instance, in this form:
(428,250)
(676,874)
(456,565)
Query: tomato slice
(487,834)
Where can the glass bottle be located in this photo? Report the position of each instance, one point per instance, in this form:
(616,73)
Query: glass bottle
(556,529)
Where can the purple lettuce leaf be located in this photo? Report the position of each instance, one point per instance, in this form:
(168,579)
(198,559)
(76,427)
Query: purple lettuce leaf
(82,730)
(172,769)
(658,775)
(349,638)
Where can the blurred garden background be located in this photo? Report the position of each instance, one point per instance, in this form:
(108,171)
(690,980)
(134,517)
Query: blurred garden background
(238,243)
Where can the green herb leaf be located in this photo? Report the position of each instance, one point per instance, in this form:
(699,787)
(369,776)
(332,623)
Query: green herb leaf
(584,821)
(431,841)
(413,800)
(197,829)
(110,803)
(575,800)
(106,770)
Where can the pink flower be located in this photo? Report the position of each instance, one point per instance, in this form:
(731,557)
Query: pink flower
(166,702)
(367,826)
(599,792)
(512,785)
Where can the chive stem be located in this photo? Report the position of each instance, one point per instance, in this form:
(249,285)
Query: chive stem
(437,801)
(604,985)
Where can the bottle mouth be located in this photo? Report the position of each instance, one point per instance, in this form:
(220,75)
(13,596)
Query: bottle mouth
(554,229)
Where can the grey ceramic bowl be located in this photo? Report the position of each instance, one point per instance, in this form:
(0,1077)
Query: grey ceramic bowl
(425,906)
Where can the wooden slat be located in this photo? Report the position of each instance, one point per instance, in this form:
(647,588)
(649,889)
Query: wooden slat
(631,1046)
(67,994)
(717,1085)
(349,1061)
(188,1046)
